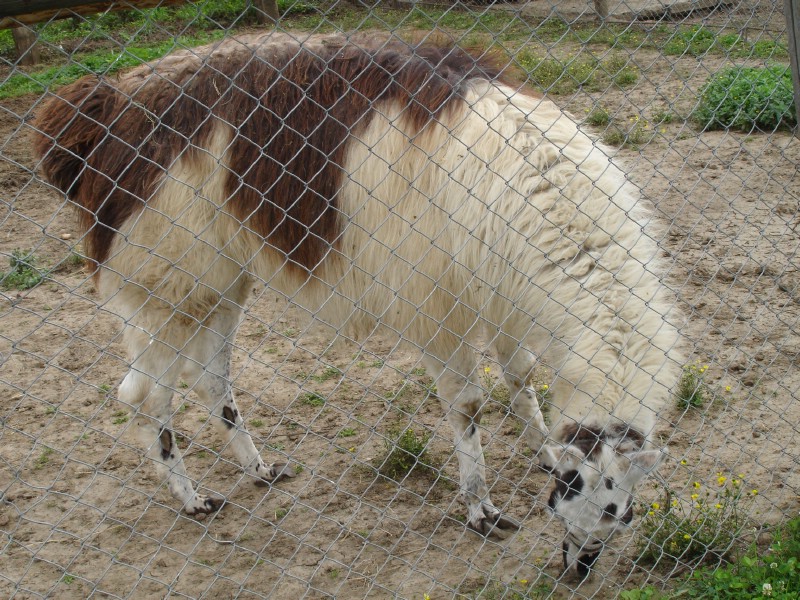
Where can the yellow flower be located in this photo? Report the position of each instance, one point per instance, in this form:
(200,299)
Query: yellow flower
(718,506)
(426,597)
(721,480)
(754,492)
(545,387)
(650,513)
(683,462)
(487,370)
(675,503)
(727,388)
(696,485)
(695,496)
(686,536)
(523,581)
(655,505)
(353,449)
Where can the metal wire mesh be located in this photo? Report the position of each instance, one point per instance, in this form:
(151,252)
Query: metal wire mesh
(84,512)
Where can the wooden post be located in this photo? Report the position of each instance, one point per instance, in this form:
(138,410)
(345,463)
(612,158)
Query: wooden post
(266,11)
(791,9)
(25,42)
(601,6)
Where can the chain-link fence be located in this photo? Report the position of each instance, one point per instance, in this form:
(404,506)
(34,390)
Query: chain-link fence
(374,159)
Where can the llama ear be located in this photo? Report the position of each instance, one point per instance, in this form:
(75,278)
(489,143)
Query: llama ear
(642,464)
(560,458)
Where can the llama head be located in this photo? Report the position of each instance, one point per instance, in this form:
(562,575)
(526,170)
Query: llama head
(593,496)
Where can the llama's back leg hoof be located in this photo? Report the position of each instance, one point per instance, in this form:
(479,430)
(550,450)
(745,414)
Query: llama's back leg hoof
(495,525)
(269,474)
(200,506)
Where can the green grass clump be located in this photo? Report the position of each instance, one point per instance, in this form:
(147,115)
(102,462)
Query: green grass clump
(406,452)
(692,390)
(706,527)
(747,98)
(588,73)
(773,574)
(24,273)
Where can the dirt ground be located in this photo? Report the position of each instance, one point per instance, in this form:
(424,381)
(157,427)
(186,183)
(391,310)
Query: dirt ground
(82,513)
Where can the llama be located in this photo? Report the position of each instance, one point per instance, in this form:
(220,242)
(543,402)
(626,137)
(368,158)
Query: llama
(373,181)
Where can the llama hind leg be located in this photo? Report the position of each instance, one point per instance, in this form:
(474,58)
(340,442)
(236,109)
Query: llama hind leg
(462,400)
(209,354)
(148,387)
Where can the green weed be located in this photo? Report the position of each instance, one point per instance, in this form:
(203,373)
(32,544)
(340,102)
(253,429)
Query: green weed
(24,273)
(599,117)
(774,573)
(405,452)
(312,399)
(692,390)
(747,98)
(706,527)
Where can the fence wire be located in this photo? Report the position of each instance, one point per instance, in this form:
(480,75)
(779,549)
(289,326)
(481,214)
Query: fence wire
(694,103)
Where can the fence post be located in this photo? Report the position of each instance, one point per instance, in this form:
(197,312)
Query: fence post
(25,42)
(791,10)
(266,10)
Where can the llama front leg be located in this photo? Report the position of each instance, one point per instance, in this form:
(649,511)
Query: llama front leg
(210,353)
(518,365)
(148,387)
(462,400)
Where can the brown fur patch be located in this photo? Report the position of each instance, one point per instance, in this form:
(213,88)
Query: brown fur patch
(590,439)
(107,144)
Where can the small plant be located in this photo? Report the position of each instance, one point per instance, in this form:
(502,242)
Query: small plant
(772,574)
(638,132)
(347,432)
(747,98)
(327,373)
(405,453)
(120,417)
(280,513)
(496,391)
(692,390)
(705,527)
(24,273)
(313,399)
(599,117)
(257,423)
(44,458)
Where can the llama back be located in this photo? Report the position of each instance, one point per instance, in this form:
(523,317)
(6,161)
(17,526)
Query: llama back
(291,105)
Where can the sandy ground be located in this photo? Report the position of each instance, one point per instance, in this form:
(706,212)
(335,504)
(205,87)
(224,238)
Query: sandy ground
(82,513)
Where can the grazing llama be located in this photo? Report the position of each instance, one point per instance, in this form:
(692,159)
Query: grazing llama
(372,181)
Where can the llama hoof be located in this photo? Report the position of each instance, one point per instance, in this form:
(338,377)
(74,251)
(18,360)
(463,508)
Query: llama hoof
(203,505)
(267,475)
(495,526)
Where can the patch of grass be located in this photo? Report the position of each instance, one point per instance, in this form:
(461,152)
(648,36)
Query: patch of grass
(120,417)
(772,574)
(748,98)
(405,452)
(599,117)
(706,527)
(347,432)
(103,62)
(43,458)
(312,399)
(257,423)
(496,391)
(326,374)
(692,390)
(587,73)
(634,134)
(24,273)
